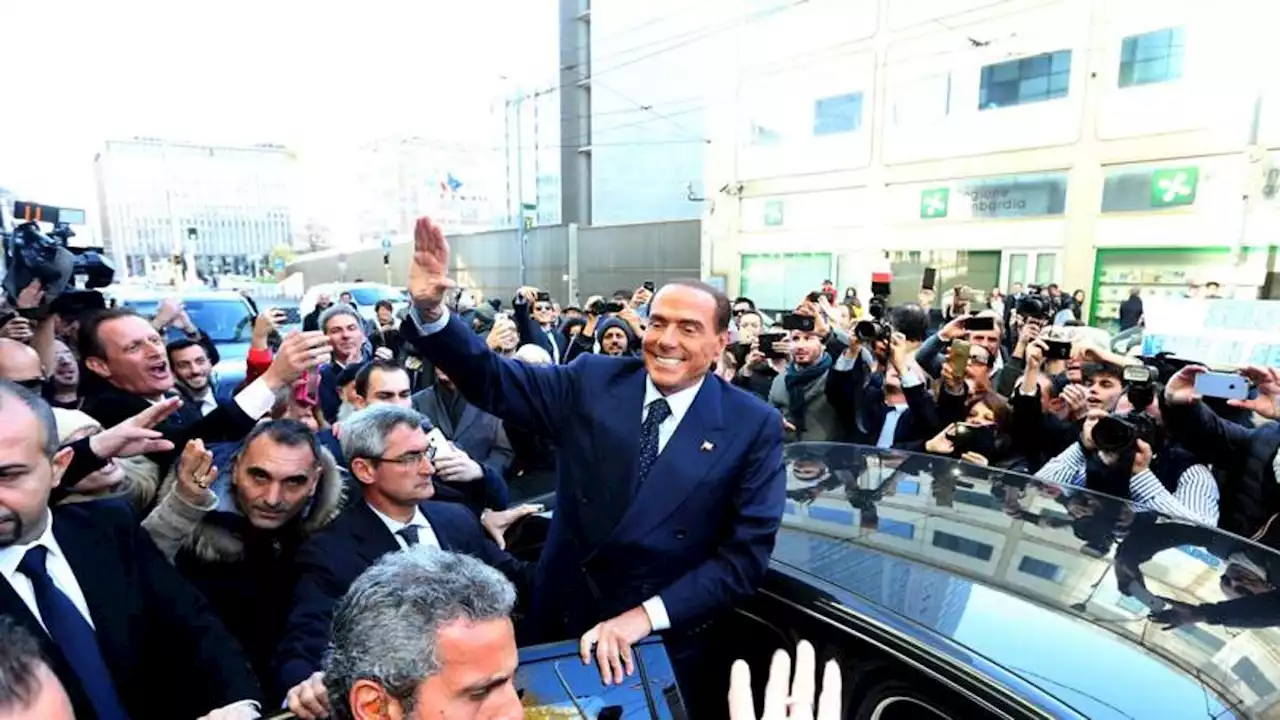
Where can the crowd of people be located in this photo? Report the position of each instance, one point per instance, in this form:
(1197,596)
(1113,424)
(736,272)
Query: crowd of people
(328,536)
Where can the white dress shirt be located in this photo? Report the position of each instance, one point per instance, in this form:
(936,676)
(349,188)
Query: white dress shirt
(555,347)
(55,564)
(426,536)
(679,402)
(255,400)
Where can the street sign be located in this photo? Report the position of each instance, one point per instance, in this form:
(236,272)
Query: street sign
(1171,187)
(933,203)
(773,213)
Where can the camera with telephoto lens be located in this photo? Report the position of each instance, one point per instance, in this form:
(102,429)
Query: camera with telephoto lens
(878,327)
(1140,385)
(1118,432)
(31,254)
(1033,305)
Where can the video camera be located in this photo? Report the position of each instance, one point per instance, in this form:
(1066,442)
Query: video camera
(1140,383)
(1118,432)
(1034,304)
(31,254)
(878,328)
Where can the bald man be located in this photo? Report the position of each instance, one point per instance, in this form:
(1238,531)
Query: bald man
(20,364)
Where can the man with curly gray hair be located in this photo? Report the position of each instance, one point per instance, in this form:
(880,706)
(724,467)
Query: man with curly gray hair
(428,632)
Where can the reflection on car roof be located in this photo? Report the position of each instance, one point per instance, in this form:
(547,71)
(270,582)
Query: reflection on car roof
(1115,610)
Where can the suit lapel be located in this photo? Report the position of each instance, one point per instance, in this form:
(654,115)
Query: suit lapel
(687,458)
(438,412)
(465,421)
(440,527)
(373,540)
(102,580)
(617,443)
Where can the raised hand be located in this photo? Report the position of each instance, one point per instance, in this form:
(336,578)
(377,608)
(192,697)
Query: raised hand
(429,272)
(196,472)
(1181,388)
(135,436)
(785,698)
(299,353)
(1267,403)
(31,296)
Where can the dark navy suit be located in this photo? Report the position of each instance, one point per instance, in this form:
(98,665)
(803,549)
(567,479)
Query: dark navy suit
(697,533)
(331,560)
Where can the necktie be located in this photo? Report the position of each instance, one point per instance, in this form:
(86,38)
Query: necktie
(73,635)
(658,411)
(409,533)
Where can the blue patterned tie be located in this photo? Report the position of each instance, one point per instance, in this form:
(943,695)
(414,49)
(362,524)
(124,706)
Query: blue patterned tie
(73,635)
(659,410)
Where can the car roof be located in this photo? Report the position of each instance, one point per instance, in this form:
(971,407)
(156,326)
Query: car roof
(1006,567)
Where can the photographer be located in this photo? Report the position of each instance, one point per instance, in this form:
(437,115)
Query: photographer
(799,392)
(1124,454)
(883,409)
(984,330)
(1245,458)
(981,438)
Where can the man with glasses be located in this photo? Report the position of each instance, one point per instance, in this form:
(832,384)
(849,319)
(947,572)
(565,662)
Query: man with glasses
(20,364)
(391,457)
(540,328)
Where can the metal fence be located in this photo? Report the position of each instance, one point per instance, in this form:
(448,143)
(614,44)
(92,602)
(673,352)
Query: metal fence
(570,262)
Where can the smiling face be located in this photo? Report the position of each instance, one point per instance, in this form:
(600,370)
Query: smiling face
(66,369)
(135,359)
(806,348)
(346,334)
(682,340)
(191,365)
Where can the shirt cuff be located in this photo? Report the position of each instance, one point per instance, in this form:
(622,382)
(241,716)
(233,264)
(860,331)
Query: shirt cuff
(250,705)
(657,612)
(911,379)
(1145,486)
(844,363)
(430,328)
(257,399)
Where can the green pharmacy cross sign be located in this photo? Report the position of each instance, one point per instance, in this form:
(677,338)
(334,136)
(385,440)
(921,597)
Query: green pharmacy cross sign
(933,202)
(1171,187)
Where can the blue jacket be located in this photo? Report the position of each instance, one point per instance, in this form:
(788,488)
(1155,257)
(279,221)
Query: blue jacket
(698,533)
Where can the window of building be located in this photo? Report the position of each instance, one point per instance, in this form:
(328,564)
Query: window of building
(896,528)
(837,114)
(1028,80)
(978,270)
(1040,568)
(962,545)
(1152,57)
(922,101)
(774,281)
(1253,677)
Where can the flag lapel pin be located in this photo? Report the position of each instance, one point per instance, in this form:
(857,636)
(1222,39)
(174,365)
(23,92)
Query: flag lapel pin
(707,446)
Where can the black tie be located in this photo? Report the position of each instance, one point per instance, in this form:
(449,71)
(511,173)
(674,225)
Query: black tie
(74,636)
(409,533)
(658,411)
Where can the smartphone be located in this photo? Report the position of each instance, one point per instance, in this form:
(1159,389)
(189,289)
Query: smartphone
(1058,342)
(1228,386)
(302,392)
(543,297)
(648,285)
(981,323)
(959,357)
(766,341)
(930,279)
(803,323)
(437,441)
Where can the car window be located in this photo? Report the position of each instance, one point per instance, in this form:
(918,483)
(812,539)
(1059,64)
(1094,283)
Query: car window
(224,321)
(371,295)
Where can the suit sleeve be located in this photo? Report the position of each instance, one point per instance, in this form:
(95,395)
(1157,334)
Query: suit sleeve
(538,397)
(182,620)
(527,329)
(1200,430)
(306,631)
(738,567)
(501,453)
(929,355)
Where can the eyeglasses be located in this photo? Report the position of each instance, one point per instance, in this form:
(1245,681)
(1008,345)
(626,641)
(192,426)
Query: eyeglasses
(542,308)
(410,459)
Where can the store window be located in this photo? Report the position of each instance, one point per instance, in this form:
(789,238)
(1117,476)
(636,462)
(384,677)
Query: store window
(838,114)
(1152,57)
(896,528)
(1147,187)
(1018,82)
(962,545)
(1162,273)
(778,282)
(979,270)
(922,101)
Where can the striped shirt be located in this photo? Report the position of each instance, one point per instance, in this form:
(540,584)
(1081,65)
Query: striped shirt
(1195,499)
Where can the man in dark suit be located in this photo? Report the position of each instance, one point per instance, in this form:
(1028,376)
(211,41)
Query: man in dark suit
(683,528)
(475,432)
(535,321)
(390,456)
(126,357)
(115,620)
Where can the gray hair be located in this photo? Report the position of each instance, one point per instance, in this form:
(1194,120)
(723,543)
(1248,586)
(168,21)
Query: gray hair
(384,628)
(39,408)
(533,354)
(20,660)
(334,311)
(364,432)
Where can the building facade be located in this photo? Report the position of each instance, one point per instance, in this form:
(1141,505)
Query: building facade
(224,208)
(402,178)
(1094,144)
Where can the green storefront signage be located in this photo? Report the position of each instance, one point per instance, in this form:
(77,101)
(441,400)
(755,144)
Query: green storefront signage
(773,213)
(1174,186)
(933,203)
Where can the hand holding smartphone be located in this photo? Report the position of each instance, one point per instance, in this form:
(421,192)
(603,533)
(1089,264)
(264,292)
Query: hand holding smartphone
(1227,386)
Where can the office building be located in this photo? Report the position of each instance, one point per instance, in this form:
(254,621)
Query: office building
(1095,144)
(225,207)
(403,178)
